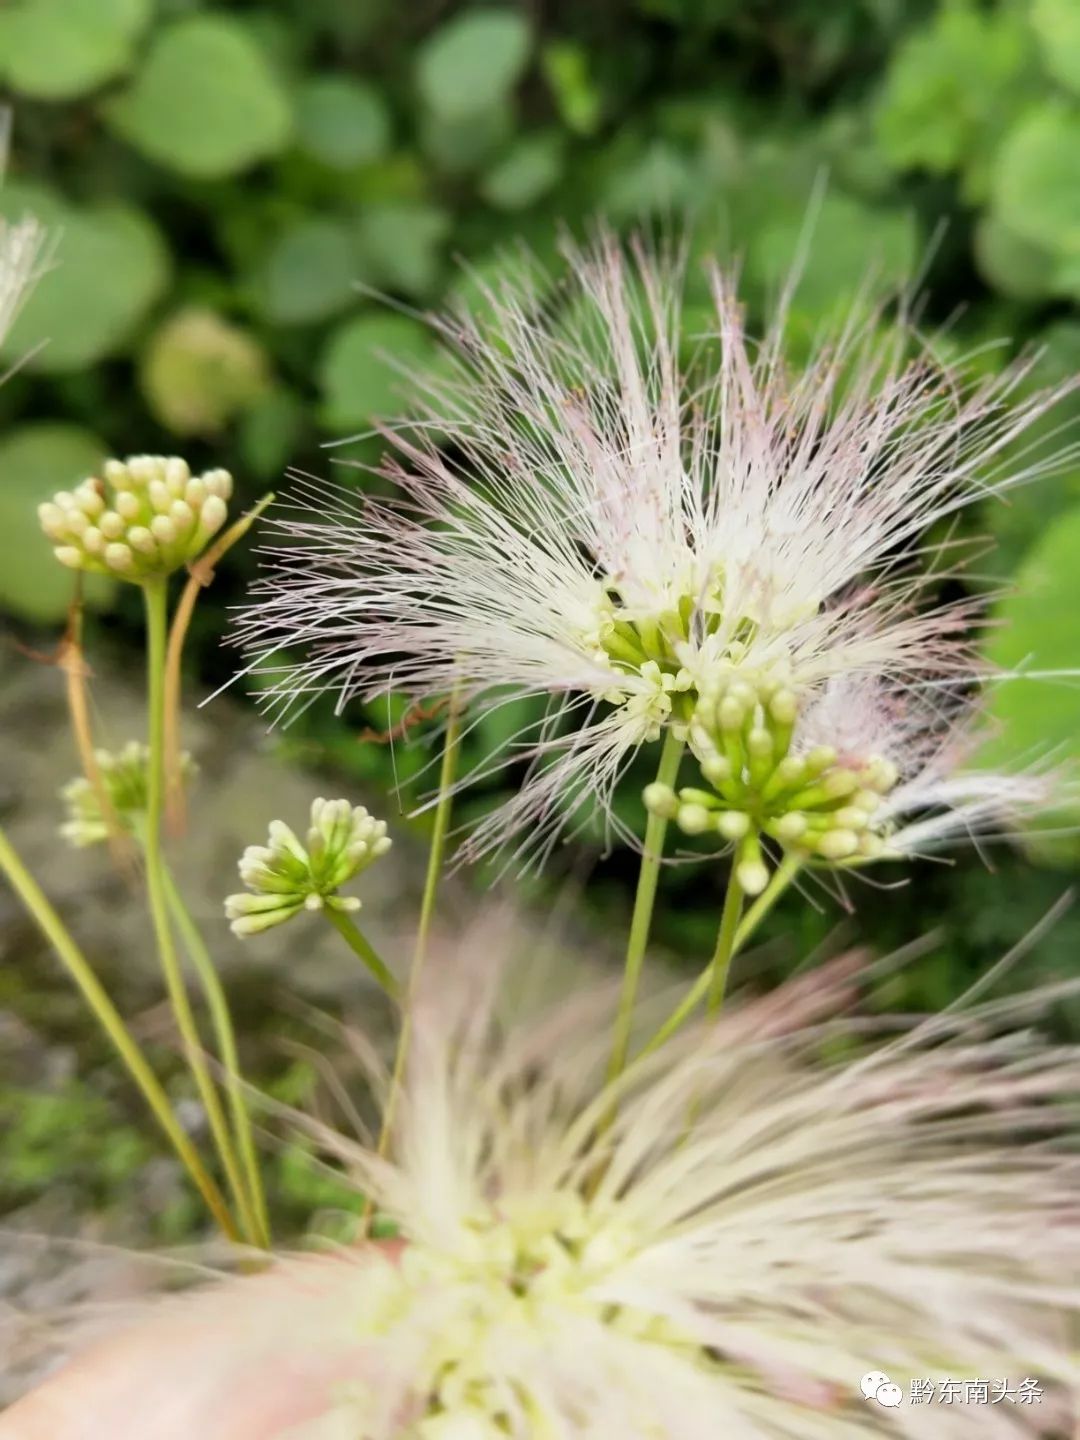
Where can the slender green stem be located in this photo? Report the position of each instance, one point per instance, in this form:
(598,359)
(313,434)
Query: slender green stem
(644,901)
(155,594)
(77,966)
(444,805)
(784,874)
(360,945)
(720,964)
(256,1217)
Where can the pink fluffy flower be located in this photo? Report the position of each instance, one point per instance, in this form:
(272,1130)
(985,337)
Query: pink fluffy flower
(591,506)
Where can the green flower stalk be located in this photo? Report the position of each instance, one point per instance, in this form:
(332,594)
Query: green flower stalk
(125,777)
(146,517)
(285,876)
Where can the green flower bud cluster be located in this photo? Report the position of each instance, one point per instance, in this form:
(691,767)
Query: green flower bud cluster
(807,802)
(146,517)
(285,876)
(124,777)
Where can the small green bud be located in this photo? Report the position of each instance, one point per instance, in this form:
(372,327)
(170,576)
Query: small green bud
(694,819)
(837,844)
(717,769)
(790,828)
(124,775)
(286,875)
(660,800)
(144,518)
(733,824)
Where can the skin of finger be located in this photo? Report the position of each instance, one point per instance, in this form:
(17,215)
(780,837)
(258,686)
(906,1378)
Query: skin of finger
(246,1359)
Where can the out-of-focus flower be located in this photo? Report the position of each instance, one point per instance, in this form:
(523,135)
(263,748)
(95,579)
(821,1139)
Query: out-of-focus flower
(864,772)
(285,876)
(609,529)
(124,775)
(907,1210)
(22,248)
(146,517)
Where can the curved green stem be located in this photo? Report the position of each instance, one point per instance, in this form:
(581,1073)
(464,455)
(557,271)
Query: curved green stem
(155,594)
(720,964)
(253,1200)
(444,805)
(77,966)
(784,874)
(360,945)
(644,901)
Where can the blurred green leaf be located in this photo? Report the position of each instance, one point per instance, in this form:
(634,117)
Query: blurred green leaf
(1037,182)
(473,61)
(466,142)
(205,101)
(952,89)
(849,242)
(309,273)
(111,267)
(269,432)
(530,169)
(198,371)
(342,122)
(35,462)
(1057,25)
(569,78)
(362,373)
(1039,632)
(401,245)
(1010,263)
(656,178)
(59,49)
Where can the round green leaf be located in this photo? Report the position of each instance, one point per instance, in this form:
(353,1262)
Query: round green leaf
(269,432)
(1010,263)
(111,265)
(58,49)
(473,61)
(1039,632)
(401,245)
(364,369)
(35,462)
(849,241)
(1057,25)
(1037,182)
(342,122)
(205,102)
(199,371)
(527,172)
(309,272)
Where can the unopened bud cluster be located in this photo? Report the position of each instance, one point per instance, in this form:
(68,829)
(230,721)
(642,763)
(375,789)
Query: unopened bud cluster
(124,778)
(808,802)
(145,517)
(285,876)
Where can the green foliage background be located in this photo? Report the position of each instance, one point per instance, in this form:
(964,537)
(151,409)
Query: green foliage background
(230,185)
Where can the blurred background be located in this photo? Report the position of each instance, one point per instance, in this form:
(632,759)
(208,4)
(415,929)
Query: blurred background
(232,185)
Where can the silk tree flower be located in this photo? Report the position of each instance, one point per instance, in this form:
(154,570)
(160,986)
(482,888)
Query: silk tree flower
(144,517)
(910,1209)
(582,513)
(863,772)
(125,777)
(284,876)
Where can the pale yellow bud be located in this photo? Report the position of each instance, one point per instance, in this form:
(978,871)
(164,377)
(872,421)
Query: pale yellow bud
(118,557)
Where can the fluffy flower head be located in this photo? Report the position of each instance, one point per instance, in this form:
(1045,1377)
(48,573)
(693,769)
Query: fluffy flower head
(814,1223)
(584,512)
